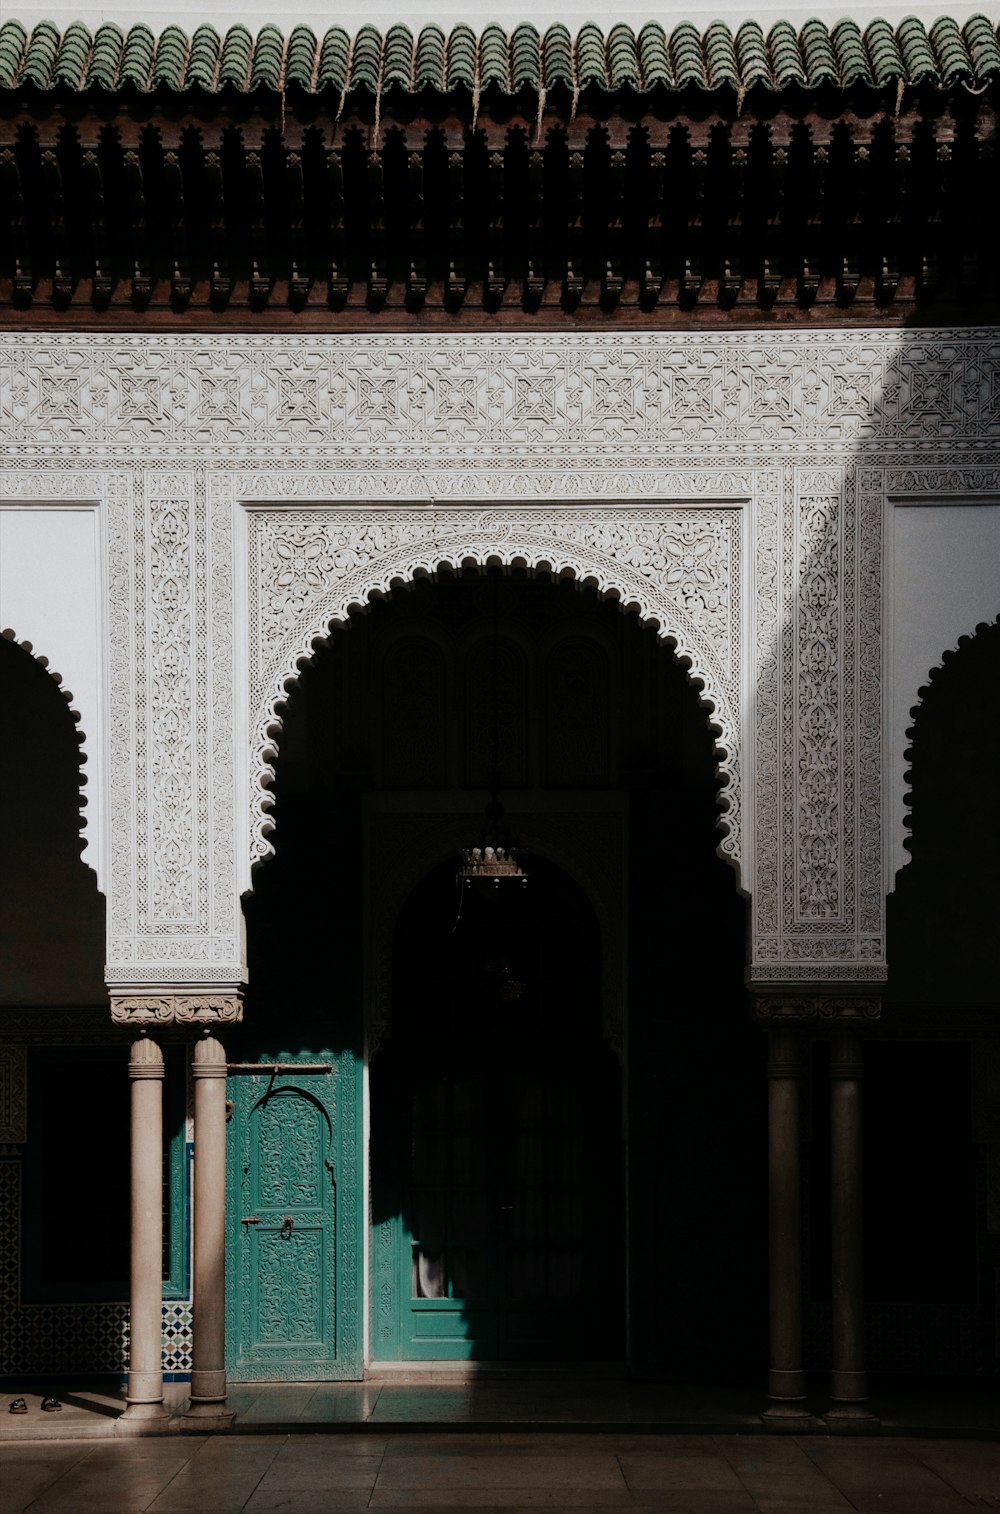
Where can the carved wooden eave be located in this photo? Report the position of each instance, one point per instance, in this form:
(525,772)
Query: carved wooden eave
(828,209)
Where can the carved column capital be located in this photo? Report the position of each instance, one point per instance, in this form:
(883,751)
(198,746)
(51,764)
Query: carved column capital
(178,1006)
(813,1009)
(145,1059)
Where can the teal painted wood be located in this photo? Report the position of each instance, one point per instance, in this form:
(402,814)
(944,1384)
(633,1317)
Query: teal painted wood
(293,1303)
(516,1217)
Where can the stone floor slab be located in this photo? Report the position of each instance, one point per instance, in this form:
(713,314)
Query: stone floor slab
(511,1469)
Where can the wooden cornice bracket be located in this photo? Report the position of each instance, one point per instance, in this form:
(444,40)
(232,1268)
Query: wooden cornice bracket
(455,281)
(104,282)
(378,276)
(142,284)
(221,283)
(180,278)
(495,282)
(260,282)
(298,278)
(62,276)
(416,278)
(572,289)
(338,281)
(22,283)
(534,278)
(611,286)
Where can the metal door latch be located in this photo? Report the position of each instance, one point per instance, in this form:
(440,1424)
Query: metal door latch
(287,1225)
(250,1219)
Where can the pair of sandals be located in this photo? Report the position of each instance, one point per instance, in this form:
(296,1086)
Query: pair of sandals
(50,1405)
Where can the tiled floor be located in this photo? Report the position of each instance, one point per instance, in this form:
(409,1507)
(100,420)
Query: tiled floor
(324,1474)
(492,1400)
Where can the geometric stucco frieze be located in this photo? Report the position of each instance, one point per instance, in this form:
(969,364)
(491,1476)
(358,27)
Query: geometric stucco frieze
(251,485)
(13,1094)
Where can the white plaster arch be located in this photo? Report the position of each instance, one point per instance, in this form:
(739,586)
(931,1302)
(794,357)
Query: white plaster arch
(955,649)
(637,578)
(8,634)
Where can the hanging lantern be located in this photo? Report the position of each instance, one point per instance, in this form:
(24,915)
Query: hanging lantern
(494,859)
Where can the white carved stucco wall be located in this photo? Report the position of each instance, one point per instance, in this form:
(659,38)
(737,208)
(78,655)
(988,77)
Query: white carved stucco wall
(252,488)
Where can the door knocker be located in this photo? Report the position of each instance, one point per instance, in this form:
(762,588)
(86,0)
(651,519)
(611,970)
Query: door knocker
(287,1225)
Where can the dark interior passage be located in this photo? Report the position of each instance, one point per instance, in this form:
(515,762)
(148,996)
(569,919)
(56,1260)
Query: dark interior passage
(493,1046)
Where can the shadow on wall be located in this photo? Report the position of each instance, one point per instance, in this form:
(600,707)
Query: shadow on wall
(944,937)
(695,1083)
(51,912)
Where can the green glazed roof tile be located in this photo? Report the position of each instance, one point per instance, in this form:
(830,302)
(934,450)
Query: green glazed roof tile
(590,61)
(366,60)
(430,71)
(237,51)
(170,61)
(203,58)
(623,58)
(981,41)
(39,55)
(751,55)
(13,38)
(818,54)
(949,45)
(886,59)
(557,53)
(461,54)
(334,60)
(786,57)
(71,60)
(683,58)
(136,63)
(109,43)
(525,64)
(300,58)
(918,56)
(397,58)
(853,66)
(654,57)
(268,56)
(720,56)
(685,48)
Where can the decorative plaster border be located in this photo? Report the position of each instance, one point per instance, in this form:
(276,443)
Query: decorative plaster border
(812,426)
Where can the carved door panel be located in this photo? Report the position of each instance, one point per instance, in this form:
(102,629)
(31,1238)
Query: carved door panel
(507,1213)
(283,1316)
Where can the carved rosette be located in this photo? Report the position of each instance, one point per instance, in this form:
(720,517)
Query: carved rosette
(815,1011)
(170,1008)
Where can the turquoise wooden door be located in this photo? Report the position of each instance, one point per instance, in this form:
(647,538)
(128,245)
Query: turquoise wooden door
(502,1239)
(284,1249)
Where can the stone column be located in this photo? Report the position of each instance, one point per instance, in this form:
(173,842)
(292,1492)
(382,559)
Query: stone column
(849,1378)
(786,1379)
(145,1375)
(208,1374)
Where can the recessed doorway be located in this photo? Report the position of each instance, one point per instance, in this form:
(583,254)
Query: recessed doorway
(497,1145)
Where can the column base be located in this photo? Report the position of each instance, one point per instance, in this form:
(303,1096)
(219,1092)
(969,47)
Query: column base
(851,1418)
(792,1415)
(204,1417)
(145,1408)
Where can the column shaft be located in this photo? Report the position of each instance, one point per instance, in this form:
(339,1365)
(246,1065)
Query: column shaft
(208,1374)
(145,1376)
(849,1379)
(786,1380)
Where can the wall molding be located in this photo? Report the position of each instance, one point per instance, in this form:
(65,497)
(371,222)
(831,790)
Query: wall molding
(516,444)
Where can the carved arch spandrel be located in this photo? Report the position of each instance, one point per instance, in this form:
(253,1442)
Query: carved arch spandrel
(328,571)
